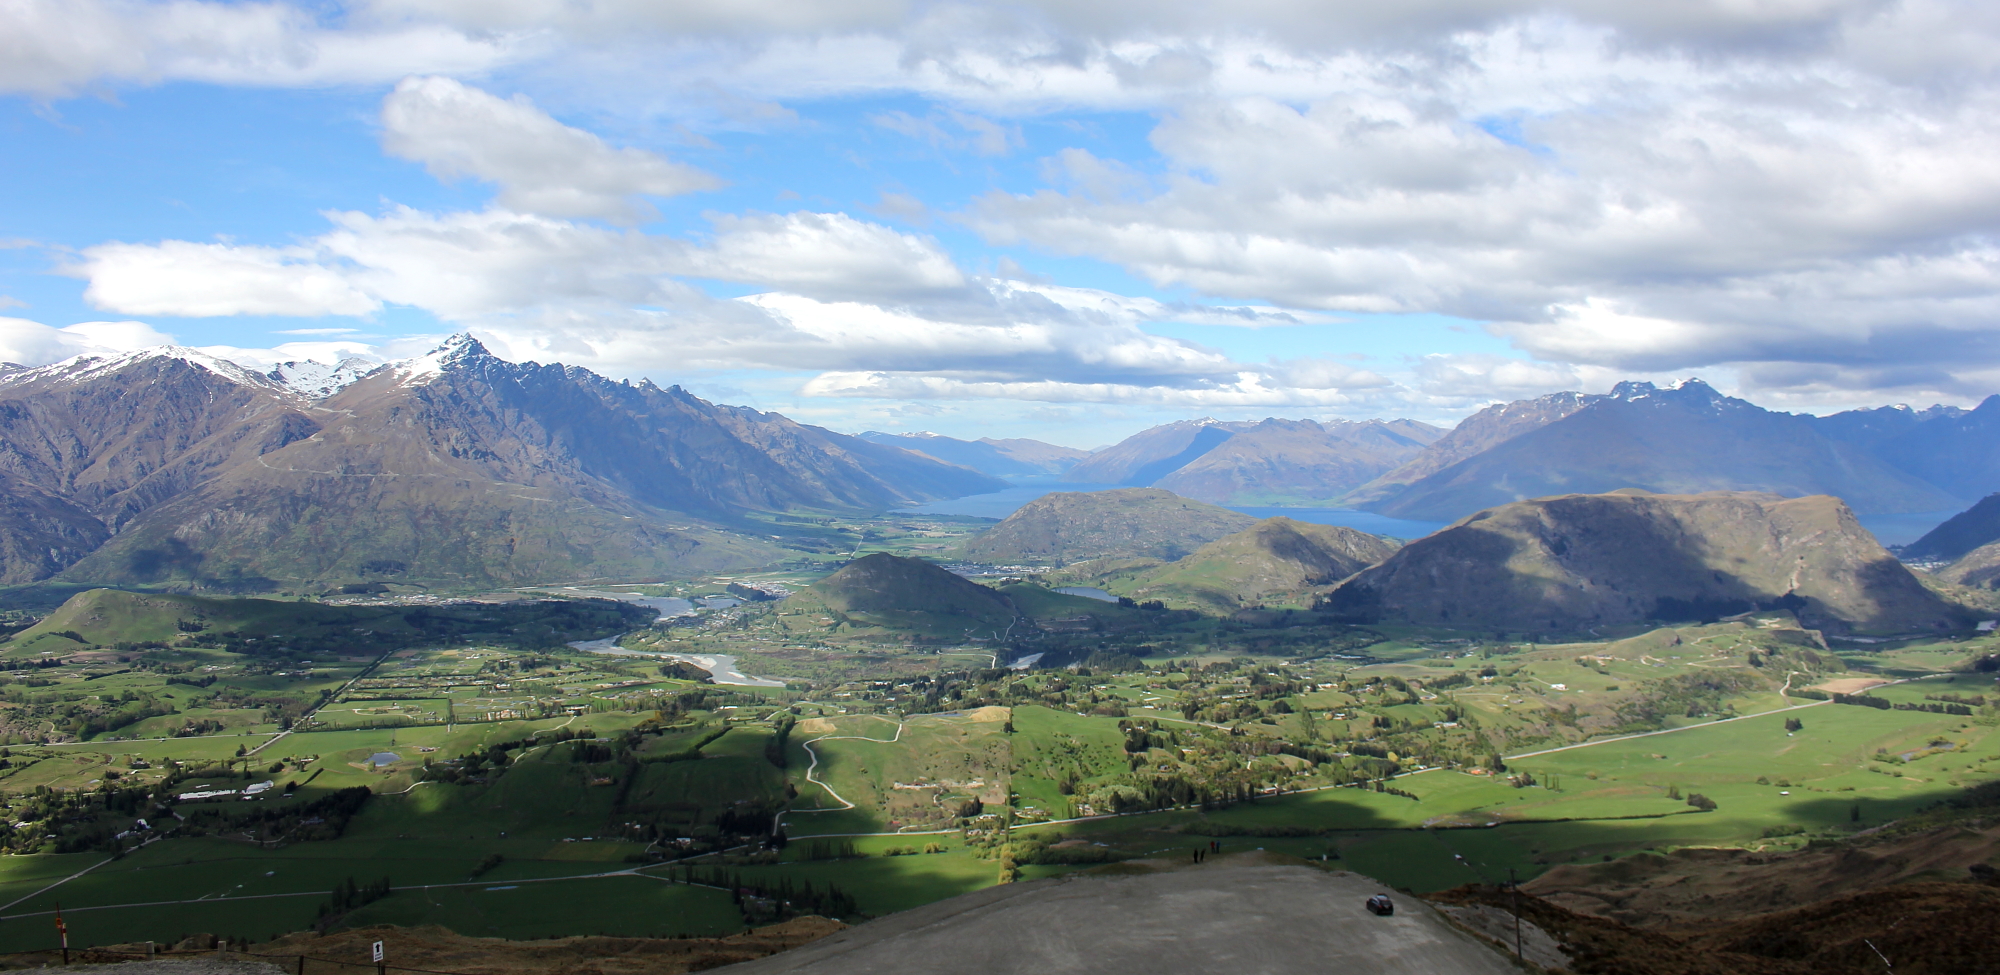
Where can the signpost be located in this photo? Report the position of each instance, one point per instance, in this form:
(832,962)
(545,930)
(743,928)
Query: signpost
(381,966)
(63,930)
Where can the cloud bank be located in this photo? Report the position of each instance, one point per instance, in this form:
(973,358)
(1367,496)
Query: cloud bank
(1799,193)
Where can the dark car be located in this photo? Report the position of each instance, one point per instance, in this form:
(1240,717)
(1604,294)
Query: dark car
(1381,905)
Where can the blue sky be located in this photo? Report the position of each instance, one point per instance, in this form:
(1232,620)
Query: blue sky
(1023,220)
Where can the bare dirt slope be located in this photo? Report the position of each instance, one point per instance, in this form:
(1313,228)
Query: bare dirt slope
(1694,885)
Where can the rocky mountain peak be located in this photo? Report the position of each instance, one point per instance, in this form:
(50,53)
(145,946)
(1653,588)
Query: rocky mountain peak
(1691,393)
(452,354)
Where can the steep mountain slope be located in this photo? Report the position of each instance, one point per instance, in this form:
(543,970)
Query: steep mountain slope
(1961,533)
(1956,450)
(1979,568)
(1476,434)
(1276,558)
(453,468)
(1683,438)
(1153,453)
(1000,458)
(1297,461)
(90,444)
(1074,526)
(1567,563)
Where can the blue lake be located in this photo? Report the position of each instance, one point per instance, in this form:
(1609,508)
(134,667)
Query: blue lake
(1902,529)
(1888,529)
(1087,592)
(1000,504)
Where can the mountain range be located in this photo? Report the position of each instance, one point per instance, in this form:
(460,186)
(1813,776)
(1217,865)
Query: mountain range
(451,468)
(1679,438)
(1269,461)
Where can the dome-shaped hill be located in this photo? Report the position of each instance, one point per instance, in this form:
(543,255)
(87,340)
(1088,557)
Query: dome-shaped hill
(888,584)
(1276,558)
(1076,526)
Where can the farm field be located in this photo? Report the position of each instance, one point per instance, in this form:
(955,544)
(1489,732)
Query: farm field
(533,790)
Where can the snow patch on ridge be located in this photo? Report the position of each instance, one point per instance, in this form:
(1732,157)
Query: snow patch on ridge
(92,366)
(318,380)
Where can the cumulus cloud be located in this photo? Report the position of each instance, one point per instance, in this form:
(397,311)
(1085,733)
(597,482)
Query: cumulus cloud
(844,296)
(542,166)
(58,47)
(825,254)
(178,277)
(29,343)
(1800,193)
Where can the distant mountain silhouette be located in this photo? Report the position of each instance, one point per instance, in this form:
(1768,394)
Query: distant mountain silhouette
(1000,458)
(1961,533)
(1684,438)
(1271,461)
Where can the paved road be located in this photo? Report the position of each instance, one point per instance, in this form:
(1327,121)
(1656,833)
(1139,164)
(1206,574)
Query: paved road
(1230,917)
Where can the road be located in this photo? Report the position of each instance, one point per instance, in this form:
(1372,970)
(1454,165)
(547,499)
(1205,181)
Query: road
(812,771)
(1238,915)
(212,898)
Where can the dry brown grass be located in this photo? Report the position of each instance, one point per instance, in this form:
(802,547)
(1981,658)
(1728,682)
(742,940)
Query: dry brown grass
(441,950)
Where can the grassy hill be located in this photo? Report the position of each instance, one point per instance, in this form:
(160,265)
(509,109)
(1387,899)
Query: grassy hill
(1132,522)
(109,617)
(900,594)
(1279,559)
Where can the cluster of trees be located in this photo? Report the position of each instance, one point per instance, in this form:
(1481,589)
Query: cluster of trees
(763,904)
(324,818)
(69,715)
(348,896)
(1884,704)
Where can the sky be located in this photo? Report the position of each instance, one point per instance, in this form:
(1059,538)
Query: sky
(1057,220)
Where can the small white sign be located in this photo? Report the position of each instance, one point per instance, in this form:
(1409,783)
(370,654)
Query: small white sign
(378,952)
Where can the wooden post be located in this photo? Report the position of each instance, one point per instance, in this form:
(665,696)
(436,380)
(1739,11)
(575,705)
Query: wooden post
(1515,885)
(302,965)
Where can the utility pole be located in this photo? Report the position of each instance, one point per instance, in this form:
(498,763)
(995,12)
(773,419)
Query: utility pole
(1515,886)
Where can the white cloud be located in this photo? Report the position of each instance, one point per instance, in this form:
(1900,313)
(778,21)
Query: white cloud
(1248,390)
(844,295)
(59,47)
(1799,191)
(34,344)
(178,277)
(958,131)
(542,166)
(825,254)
